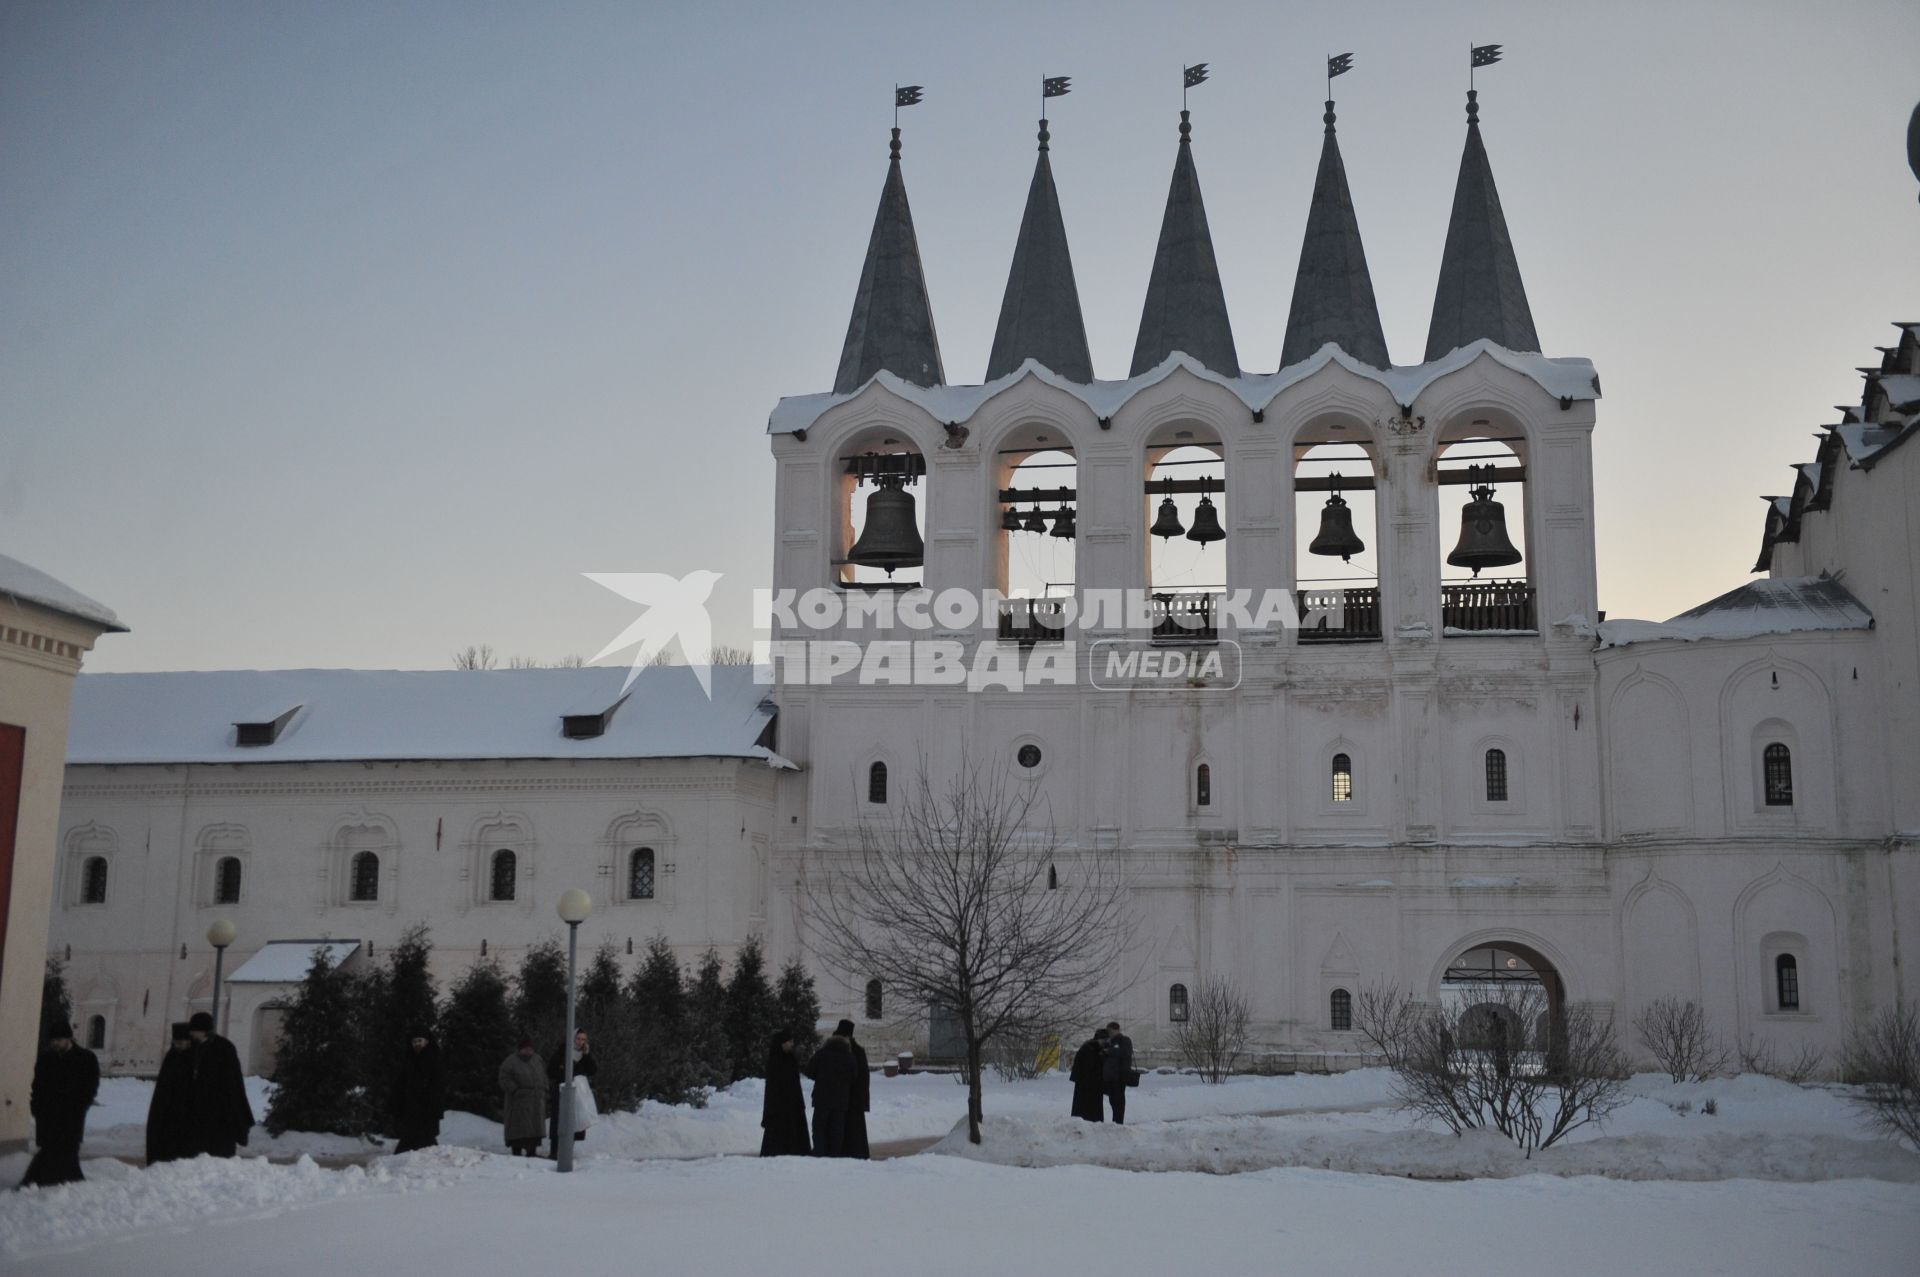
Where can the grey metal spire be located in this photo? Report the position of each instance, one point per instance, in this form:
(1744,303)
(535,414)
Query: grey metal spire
(1186,309)
(1040,314)
(1332,292)
(892,324)
(1480,293)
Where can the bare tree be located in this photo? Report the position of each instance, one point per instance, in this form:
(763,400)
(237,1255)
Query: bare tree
(951,902)
(1757,1055)
(1676,1034)
(475,658)
(718,654)
(1387,1017)
(1214,1034)
(1884,1057)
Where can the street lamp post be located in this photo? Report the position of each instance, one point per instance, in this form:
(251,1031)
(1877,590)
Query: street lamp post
(574,907)
(219,935)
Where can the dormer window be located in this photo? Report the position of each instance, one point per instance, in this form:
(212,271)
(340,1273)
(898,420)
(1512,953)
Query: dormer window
(263,731)
(587,726)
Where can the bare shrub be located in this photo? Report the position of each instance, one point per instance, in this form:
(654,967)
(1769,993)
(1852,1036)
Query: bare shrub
(1675,1033)
(1214,1034)
(1387,1018)
(1884,1058)
(1758,1056)
(1016,1056)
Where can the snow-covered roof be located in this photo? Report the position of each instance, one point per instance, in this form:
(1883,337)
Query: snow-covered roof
(287,961)
(24,584)
(1561,378)
(414,714)
(1866,440)
(1783,606)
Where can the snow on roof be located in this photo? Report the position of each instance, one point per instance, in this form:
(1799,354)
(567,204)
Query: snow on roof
(1866,440)
(1902,390)
(414,714)
(1784,606)
(1561,378)
(30,585)
(287,961)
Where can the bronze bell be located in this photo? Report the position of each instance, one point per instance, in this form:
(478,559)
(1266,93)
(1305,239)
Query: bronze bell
(1168,524)
(1483,528)
(1336,528)
(1206,523)
(1010,520)
(890,540)
(1063,523)
(1036,522)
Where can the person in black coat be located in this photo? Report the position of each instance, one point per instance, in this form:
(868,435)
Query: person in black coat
(860,1103)
(219,1117)
(419,1095)
(170,1115)
(1088,1077)
(831,1069)
(584,1065)
(783,1112)
(1116,1070)
(65,1079)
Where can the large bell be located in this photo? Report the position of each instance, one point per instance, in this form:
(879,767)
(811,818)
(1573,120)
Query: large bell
(890,540)
(1483,529)
(1168,524)
(1063,523)
(1010,520)
(1206,523)
(1336,528)
(1036,522)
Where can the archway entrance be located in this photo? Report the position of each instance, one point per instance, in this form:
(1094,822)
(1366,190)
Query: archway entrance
(1488,987)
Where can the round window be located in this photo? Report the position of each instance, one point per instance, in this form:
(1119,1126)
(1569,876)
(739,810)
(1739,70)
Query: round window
(1029,756)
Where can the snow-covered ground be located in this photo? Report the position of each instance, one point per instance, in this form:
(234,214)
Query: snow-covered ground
(649,1192)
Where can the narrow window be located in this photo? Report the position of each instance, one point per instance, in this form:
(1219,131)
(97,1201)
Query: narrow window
(1786,982)
(1342,779)
(1496,775)
(97,1033)
(365,884)
(226,881)
(1203,786)
(1777,761)
(1053,878)
(640,874)
(877,783)
(1177,1004)
(1340,1008)
(505,863)
(93,881)
(874,1003)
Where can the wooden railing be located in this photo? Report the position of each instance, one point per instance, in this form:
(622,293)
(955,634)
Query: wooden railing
(1335,616)
(1030,621)
(1486,605)
(1184,618)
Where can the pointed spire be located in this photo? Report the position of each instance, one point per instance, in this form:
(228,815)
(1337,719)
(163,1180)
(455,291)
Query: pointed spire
(892,324)
(1332,292)
(1040,314)
(1186,309)
(1480,293)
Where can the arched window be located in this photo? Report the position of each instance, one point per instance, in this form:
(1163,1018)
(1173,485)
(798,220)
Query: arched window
(640,874)
(1340,1009)
(1342,779)
(1777,763)
(96,1033)
(874,1002)
(226,881)
(1786,982)
(1496,775)
(877,783)
(1203,786)
(1177,1004)
(93,881)
(365,877)
(505,865)
(1053,878)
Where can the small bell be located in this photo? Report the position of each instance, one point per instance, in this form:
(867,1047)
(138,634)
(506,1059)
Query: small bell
(1063,523)
(1336,528)
(1483,528)
(890,539)
(1206,523)
(1009,520)
(1036,522)
(1168,524)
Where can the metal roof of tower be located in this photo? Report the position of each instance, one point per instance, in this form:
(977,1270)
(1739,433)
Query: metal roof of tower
(1186,309)
(1332,291)
(892,323)
(1040,314)
(1480,293)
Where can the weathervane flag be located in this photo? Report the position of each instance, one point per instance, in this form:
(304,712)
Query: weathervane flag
(906,95)
(1195,74)
(1339,64)
(1056,86)
(1485,55)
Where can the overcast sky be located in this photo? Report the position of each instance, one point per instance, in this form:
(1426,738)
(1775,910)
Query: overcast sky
(348,334)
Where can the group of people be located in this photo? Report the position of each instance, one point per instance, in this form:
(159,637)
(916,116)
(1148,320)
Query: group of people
(199,1102)
(530,1094)
(842,1098)
(1102,1071)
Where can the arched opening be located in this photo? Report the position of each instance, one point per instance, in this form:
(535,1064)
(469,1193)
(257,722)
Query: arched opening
(96,1033)
(1342,778)
(882,514)
(1336,563)
(1340,1010)
(1776,764)
(1177,1004)
(1786,982)
(875,1000)
(226,884)
(1496,775)
(1037,525)
(93,881)
(877,783)
(1203,786)
(503,880)
(1486,584)
(640,874)
(1185,514)
(364,877)
(1505,995)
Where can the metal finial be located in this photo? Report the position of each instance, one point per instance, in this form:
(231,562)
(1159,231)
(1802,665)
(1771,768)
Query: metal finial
(1328,117)
(1186,128)
(895,148)
(1473,106)
(1044,135)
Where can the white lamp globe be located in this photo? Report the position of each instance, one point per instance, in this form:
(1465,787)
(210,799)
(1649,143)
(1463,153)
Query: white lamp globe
(574,906)
(220,934)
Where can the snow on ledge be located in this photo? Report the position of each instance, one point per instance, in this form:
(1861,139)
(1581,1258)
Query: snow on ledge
(1561,378)
(30,585)
(1784,605)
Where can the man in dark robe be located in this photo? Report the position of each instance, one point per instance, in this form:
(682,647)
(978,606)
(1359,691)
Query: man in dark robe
(831,1069)
(221,1118)
(170,1115)
(860,1103)
(65,1079)
(783,1110)
(1088,1077)
(419,1095)
(1117,1069)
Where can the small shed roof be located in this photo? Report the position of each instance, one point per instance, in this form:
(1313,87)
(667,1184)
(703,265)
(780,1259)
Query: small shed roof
(287,961)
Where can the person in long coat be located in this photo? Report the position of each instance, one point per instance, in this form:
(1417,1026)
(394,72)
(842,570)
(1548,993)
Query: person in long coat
(66,1077)
(523,1099)
(220,1116)
(783,1110)
(831,1069)
(584,1065)
(419,1094)
(861,1101)
(1087,1075)
(170,1114)
(1117,1069)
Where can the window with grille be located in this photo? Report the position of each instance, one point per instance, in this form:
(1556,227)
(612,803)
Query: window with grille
(97,1033)
(93,881)
(226,881)
(1177,1004)
(365,878)
(877,783)
(1777,762)
(1496,775)
(640,874)
(1203,786)
(505,865)
(1786,982)
(874,1000)
(1340,1009)
(1342,779)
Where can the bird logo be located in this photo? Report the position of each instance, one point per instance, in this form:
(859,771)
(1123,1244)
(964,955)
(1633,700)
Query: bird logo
(676,610)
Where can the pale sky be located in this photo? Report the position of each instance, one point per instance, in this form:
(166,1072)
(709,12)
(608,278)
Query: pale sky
(348,334)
